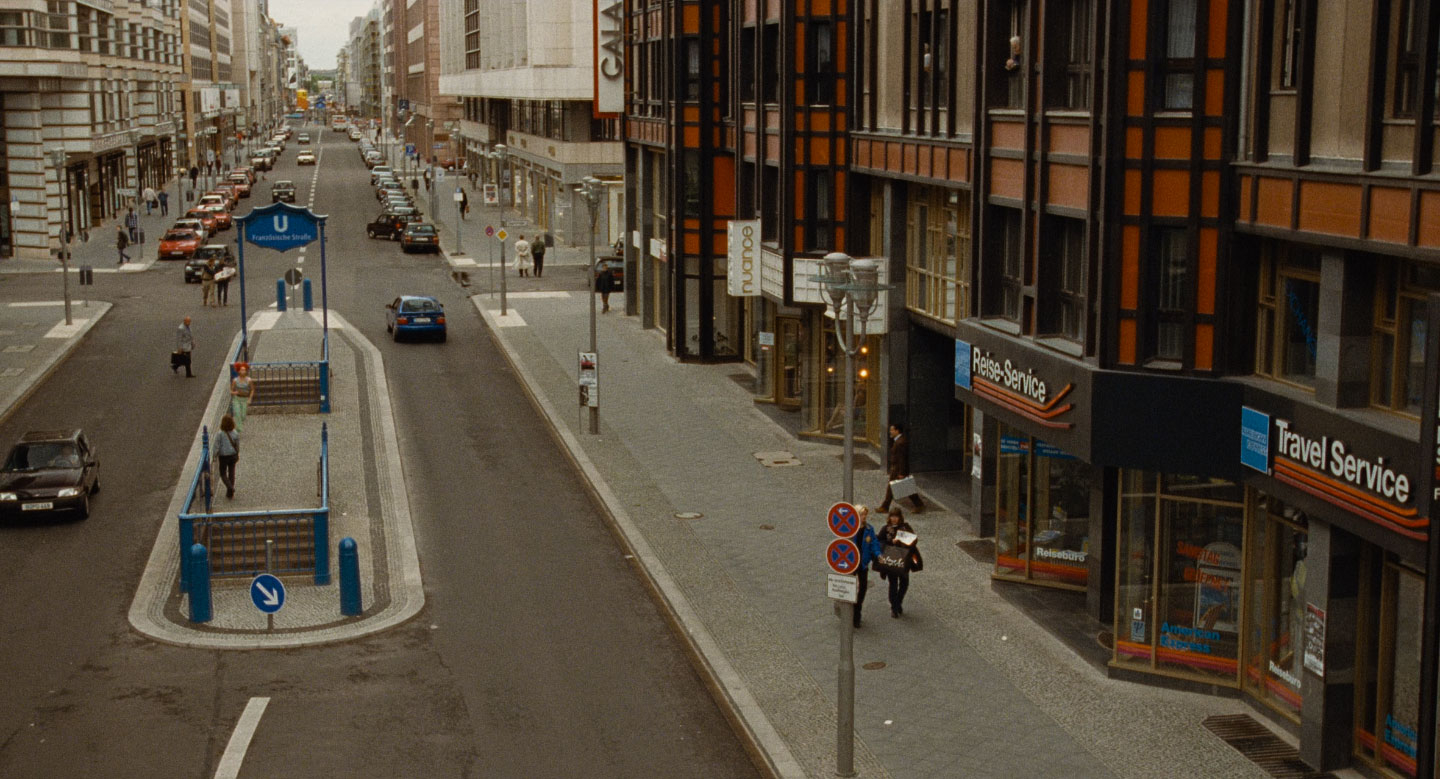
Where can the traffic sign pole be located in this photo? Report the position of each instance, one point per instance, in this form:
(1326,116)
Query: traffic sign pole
(844,522)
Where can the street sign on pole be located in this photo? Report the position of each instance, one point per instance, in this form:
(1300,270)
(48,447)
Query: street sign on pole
(267,593)
(489,231)
(843,520)
(842,556)
(501,235)
(294,276)
(842,587)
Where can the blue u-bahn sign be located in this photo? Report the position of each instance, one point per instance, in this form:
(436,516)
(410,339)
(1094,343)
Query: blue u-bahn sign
(281,226)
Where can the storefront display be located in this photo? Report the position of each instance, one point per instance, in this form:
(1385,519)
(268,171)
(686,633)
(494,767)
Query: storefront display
(1275,600)
(1178,575)
(1387,685)
(1035,479)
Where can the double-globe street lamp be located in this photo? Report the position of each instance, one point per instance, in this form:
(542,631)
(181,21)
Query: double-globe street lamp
(852,287)
(57,156)
(500,154)
(593,191)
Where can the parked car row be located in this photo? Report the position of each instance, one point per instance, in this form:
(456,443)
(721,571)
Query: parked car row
(211,214)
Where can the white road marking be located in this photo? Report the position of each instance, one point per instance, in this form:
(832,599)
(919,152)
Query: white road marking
(36,303)
(240,739)
(512,319)
(265,320)
(541,295)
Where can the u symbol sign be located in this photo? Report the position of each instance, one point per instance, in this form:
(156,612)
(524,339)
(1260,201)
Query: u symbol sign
(282,224)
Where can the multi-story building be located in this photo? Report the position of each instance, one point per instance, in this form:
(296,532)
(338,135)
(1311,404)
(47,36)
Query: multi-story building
(214,110)
(415,38)
(1159,276)
(98,82)
(526,76)
(365,52)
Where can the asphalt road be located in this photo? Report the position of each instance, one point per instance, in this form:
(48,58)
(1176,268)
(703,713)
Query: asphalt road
(539,652)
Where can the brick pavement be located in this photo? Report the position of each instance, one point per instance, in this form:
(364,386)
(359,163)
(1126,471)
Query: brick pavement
(969,686)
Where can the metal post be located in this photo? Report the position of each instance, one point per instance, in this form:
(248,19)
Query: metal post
(200,610)
(240,251)
(270,568)
(58,155)
(594,346)
(459,222)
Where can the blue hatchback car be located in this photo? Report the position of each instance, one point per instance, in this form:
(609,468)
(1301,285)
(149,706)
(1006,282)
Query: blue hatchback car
(415,315)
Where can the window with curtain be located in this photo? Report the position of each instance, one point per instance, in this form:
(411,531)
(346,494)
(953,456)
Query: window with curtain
(1399,334)
(1179,87)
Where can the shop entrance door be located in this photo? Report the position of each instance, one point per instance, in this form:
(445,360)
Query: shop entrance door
(1387,683)
(789,376)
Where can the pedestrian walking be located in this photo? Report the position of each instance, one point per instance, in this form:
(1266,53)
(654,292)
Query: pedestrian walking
(164,203)
(869,545)
(207,283)
(899,462)
(523,259)
(242,391)
(427,179)
(122,241)
(222,282)
(537,253)
(465,208)
(899,578)
(132,223)
(149,197)
(227,453)
(604,284)
(184,349)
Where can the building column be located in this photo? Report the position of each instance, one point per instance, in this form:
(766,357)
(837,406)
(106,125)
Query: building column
(1344,337)
(1332,581)
(982,487)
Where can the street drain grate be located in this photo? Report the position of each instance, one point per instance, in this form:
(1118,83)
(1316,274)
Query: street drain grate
(1263,748)
(981,549)
(875,666)
(777,459)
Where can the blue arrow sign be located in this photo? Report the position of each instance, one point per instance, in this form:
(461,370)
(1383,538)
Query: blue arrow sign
(281,226)
(267,593)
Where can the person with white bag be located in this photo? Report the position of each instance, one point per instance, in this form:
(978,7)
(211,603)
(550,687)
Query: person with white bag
(902,484)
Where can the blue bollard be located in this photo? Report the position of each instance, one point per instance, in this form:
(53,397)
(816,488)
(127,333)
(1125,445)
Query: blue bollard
(350,604)
(199,584)
(309,298)
(280,295)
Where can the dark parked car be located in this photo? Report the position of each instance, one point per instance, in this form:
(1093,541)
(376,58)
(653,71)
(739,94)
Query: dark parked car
(196,264)
(390,225)
(420,236)
(54,470)
(282,190)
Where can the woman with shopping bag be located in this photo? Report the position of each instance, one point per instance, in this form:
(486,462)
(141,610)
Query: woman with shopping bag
(899,556)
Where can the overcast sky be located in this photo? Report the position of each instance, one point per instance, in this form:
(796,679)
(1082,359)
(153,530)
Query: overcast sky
(322,26)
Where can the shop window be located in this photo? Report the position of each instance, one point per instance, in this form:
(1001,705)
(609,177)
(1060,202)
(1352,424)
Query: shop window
(1172,289)
(1398,375)
(747,64)
(1063,274)
(1178,92)
(1042,513)
(1278,547)
(1289,314)
(1178,576)
(1387,684)
(1011,254)
(820,70)
(1069,31)
(770,64)
(939,246)
(831,391)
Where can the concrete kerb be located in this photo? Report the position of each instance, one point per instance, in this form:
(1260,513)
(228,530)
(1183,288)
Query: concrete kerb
(764,740)
(27,387)
(407,592)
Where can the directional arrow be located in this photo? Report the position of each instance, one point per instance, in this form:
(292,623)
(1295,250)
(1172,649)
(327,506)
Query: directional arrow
(267,593)
(270,597)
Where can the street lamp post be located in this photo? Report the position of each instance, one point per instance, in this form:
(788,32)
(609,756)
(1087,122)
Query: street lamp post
(594,192)
(852,288)
(57,156)
(500,154)
(434,183)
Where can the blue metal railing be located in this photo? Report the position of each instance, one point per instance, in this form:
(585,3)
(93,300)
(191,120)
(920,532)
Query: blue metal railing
(290,382)
(236,539)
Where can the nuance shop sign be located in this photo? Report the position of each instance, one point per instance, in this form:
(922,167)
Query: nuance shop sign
(1338,467)
(742,272)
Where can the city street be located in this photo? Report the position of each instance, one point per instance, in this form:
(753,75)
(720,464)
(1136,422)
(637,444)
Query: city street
(540,651)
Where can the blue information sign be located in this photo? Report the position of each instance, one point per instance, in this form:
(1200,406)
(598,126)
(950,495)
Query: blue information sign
(1255,439)
(281,226)
(409,148)
(267,593)
(962,364)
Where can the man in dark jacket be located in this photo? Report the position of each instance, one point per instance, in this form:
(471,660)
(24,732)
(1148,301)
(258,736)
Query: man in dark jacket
(899,462)
(537,253)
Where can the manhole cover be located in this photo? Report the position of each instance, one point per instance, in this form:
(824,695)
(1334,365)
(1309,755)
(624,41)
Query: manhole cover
(688,515)
(875,666)
(767,527)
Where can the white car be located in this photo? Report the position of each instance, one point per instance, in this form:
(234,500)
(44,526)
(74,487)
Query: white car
(380,172)
(305,157)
